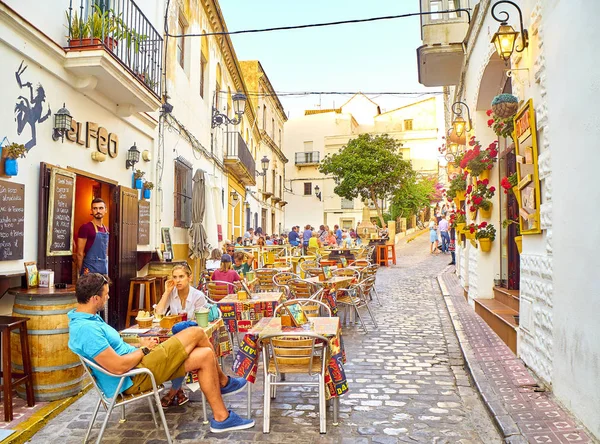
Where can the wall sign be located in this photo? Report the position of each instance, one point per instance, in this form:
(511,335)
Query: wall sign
(526,151)
(12,220)
(60,213)
(143,222)
(166,237)
(91,135)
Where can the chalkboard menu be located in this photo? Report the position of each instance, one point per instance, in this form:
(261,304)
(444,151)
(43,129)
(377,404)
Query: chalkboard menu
(60,213)
(12,220)
(143,222)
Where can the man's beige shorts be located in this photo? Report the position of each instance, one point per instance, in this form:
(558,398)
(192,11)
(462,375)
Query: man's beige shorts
(166,362)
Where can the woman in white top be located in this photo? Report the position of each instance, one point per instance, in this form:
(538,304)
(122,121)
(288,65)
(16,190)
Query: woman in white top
(179,295)
(214,261)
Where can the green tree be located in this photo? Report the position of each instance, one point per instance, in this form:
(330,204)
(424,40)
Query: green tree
(370,167)
(409,199)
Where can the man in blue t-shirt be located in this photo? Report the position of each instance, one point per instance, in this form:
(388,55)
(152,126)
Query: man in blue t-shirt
(294,237)
(338,234)
(190,349)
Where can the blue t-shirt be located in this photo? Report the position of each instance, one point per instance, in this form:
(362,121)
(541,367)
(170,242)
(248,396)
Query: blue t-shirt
(293,237)
(306,236)
(89,336)
(338,235)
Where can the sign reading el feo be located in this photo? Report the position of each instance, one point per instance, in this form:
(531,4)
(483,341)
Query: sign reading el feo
(92,135)
(526,151)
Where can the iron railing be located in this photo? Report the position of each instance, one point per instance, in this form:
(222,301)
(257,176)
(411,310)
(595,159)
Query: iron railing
(237,149)
(121,28)
(306,157)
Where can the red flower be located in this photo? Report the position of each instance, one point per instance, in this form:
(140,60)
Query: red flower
(483,224)
(477,200)
(489,112)
(469,189)
(490,166)
(490,122)
(485,181)
(472,229)
(472,209)
(504,183)
(492,189)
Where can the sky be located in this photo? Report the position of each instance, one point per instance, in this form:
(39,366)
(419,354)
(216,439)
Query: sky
(367,57)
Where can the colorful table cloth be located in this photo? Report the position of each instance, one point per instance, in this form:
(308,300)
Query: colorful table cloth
(240,316)
(247,357)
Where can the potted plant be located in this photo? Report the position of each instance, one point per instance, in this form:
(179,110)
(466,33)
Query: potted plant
(13,152)
(479,197)
(138,175)
(518,237)
(458,221)
(502,126)
(509,183)
(104,25)
(148,186)
(486,233)
(79,31)
(458,186)
(479,161)
(471,230)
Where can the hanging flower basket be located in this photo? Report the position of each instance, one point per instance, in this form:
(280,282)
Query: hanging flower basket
(485,174)
(505,105)
(147,193)
(460,227)
(519,242)
(460,195)
(486,214)
(485,244)
(469,235)
(517,195)
(473,215)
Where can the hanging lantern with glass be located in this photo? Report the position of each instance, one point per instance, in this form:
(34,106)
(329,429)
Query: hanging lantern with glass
(506,37)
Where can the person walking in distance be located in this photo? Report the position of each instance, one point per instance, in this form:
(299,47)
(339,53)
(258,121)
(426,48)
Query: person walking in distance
(433,238)
(444,225)
(92,242)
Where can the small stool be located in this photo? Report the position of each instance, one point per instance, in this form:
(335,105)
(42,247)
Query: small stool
(7,324)
(135,286)
(160,286)
(386,253)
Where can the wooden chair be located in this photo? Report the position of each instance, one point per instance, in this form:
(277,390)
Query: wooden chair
(281,280)
(148,283)
(217,290)
(119,400)
(265,278)
(295,353)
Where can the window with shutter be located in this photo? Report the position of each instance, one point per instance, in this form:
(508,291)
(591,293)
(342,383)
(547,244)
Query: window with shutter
(183,193)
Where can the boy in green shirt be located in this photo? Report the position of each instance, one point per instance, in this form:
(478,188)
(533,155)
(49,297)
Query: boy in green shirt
(242,262)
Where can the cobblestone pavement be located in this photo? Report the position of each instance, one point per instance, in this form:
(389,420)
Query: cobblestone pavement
(406,378)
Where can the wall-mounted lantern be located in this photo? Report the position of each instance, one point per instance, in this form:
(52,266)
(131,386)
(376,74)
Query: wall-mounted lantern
(505,38)
(264,163)
(133,157)
(62,123)
(460,124)
(239,108)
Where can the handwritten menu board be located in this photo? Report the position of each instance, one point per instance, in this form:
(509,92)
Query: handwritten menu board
(60,213)
(12,220)
(143,222)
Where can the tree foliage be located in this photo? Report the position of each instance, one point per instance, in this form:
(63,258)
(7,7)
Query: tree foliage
(369,167)
(417,193)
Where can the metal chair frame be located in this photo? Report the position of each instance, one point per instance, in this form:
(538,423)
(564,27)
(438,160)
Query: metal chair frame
(314,287)
(371,271)
(357,298)
(110,403)
(281,279)
(303,302)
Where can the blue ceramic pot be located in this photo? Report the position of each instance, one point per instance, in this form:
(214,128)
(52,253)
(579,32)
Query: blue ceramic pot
(11,167)
(147,193)
(138,184)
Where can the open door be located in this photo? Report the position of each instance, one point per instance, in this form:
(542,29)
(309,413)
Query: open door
(123,263)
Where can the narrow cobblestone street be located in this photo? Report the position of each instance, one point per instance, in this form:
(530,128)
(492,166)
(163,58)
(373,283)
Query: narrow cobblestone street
(406,381)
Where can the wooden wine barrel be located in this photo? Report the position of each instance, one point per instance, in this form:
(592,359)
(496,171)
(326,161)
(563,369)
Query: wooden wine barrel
(57,372)
(162,268)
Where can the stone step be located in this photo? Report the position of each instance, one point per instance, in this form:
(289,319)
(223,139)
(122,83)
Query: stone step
(500,318)
(507,297)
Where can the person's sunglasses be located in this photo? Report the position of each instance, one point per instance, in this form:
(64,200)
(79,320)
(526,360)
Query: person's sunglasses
(104,281)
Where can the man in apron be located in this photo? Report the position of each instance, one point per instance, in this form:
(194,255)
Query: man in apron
(92,242)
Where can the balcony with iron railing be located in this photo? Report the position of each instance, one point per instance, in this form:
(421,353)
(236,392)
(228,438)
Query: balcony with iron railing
(306,158)
(239,160)
(444,25)
(113,48)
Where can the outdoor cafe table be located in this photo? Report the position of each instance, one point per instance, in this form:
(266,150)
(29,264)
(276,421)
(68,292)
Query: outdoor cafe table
(331,286)
(246,360)
(240,316)
(296,260)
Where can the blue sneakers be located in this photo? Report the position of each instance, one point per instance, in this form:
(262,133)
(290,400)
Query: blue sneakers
(233,422)
(234,385)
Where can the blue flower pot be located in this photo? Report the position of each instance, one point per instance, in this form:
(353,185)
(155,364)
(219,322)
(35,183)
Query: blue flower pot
(11,167)
(138,184)
(147,193)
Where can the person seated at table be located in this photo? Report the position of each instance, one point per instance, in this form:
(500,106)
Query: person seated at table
(294,237)
(188,350)
(314,243)
(242,262)
(261,241)
(269,241)
(226,274)
(214,261)
(179,297)
(346,240)
(331,239)
(239,242)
